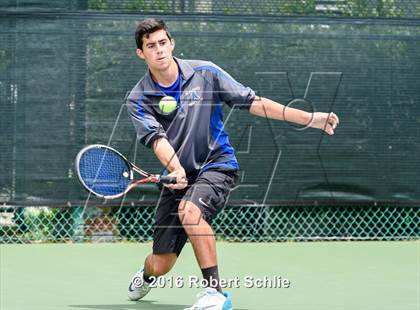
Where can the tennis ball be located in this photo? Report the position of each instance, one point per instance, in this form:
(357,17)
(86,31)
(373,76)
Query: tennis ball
(167,104)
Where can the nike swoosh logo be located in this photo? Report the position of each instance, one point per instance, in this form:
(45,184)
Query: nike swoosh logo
(203,203)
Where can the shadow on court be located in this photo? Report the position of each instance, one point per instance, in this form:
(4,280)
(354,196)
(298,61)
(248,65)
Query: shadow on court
(147,304)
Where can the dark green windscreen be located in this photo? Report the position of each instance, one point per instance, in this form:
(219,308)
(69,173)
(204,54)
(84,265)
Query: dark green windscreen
(65,70)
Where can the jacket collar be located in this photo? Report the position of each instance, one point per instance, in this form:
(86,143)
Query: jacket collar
(152,89)
(186,70)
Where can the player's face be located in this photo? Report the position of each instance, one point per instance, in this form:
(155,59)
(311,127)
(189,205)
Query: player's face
(157,50)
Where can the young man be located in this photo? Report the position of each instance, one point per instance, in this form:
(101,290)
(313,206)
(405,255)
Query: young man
(186,134)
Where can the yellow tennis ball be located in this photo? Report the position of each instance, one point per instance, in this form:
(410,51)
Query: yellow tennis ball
(167,104)
(125,174)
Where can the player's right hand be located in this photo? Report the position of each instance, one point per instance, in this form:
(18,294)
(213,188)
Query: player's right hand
(181,179)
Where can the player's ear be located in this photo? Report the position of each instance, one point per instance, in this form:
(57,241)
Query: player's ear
(173,43)
(140,53)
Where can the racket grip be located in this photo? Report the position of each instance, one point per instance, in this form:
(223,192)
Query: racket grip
(167,180)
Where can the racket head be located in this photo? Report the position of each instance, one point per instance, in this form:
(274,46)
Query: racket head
(103,171)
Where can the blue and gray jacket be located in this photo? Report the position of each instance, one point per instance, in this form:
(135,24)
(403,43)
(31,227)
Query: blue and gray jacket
(195,129)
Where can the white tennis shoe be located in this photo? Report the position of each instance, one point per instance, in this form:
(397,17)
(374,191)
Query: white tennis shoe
(138,288)
(211,299)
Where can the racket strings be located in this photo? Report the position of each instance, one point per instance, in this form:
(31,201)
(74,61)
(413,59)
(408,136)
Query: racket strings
(104,171)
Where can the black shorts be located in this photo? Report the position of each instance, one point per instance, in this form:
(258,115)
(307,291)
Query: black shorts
(209,192)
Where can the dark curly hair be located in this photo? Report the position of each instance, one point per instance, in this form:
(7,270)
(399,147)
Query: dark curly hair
(147,27)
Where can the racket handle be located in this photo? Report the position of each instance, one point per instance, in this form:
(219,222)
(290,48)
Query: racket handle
(167,180)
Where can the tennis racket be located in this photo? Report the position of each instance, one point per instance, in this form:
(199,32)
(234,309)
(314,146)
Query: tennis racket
(106,173)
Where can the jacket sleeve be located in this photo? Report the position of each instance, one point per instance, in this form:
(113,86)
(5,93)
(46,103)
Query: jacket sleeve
(148,129)
(230,91)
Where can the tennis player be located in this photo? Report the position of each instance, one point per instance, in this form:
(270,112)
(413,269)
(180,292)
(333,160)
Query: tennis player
(188,138)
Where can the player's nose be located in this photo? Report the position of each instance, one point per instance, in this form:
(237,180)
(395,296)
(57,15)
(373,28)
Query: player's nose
(159,49)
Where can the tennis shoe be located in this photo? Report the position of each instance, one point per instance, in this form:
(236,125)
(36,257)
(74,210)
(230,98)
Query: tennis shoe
(138,288)
(211,299)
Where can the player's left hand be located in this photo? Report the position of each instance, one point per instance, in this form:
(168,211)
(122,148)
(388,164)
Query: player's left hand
(327,122)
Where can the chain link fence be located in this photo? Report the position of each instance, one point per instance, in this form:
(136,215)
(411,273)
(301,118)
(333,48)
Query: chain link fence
(244,224)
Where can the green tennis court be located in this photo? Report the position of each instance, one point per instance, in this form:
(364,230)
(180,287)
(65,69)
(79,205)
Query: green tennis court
(322,275)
